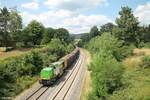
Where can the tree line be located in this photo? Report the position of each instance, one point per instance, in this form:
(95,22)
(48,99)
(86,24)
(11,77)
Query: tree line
(108,46)
(126,29)
(21,71)
(12,32)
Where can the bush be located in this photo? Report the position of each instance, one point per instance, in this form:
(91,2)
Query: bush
(147,45)
(125,51)
(70,47)
(56,46)
(106,70)
(110,43)
(106,74)
(20,44)
(22,69)
(145,62)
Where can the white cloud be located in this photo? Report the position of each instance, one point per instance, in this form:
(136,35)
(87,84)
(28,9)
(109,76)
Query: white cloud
(31,5)
(53,2)
(74,4)
(74,22)
(143,13)
(83,23)
(67,14)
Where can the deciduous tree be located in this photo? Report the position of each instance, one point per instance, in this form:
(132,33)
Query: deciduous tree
(34,32)
(127,27)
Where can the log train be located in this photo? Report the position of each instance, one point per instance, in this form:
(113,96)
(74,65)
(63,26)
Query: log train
(50,74)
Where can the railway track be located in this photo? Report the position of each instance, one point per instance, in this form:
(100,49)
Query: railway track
(38,93)
(41,91)
(64,89)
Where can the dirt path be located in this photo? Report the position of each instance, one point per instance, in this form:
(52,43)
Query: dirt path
(87,81)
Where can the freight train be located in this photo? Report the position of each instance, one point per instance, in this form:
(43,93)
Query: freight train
(50,74)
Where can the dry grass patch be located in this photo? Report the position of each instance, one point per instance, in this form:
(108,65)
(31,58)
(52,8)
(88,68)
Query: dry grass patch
(87,82)
(4,55)
(87,86)
(135,78)
(132,62)
(146,51)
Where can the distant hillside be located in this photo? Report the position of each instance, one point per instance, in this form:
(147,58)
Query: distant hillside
(77,36)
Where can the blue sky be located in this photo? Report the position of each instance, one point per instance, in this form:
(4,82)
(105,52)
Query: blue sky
(77,15)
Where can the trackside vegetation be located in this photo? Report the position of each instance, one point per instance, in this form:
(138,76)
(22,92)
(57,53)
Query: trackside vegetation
(45,45)
(18,73)
(106,69)
(117,73)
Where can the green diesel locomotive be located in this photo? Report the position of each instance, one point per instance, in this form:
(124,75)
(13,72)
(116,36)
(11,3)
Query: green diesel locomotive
(50,74)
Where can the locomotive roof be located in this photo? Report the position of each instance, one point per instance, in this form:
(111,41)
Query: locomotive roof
(47,68)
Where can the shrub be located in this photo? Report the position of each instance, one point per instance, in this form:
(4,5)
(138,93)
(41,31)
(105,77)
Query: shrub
(70,47)
(106,74)
(16,73)
(124,52)
(147,45)
(106,70)
(20,44)
(56,46)
(145,62)
(110,43)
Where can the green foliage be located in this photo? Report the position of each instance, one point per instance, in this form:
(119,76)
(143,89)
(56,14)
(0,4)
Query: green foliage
(144,33)
(94,31)
(12,34)
(144,45)
(61,34)
(15,26)
(84,39)
(106,70)
(48,35)
(145,62)
(110,82)
(110,43)
(107,28)
(107,73)
(33,33)
(5,39)
(56,50)
(11,24)
(17,72)
(124,51)
(70,47)
(23,83)
(56,46)
(127,29)
(106,41)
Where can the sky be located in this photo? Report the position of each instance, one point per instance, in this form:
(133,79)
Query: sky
(78,16)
